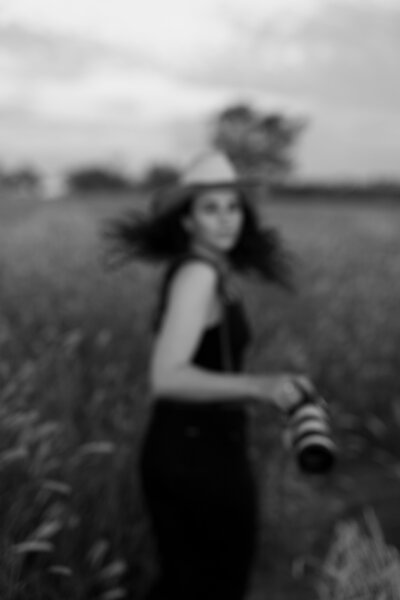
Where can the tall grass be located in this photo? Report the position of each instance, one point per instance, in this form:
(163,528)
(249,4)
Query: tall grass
(359,563)
(74,343)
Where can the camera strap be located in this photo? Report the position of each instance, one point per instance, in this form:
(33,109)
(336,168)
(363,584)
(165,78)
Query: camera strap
(225,337)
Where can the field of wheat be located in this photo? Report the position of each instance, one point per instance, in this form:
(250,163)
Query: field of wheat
(74,344)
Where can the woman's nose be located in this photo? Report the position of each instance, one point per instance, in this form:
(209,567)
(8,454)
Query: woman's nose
(225,216)
(225,222)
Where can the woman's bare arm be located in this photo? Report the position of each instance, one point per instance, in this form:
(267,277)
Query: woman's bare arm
(171,371)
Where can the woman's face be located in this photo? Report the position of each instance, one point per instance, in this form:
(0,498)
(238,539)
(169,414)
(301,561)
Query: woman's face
(215,220)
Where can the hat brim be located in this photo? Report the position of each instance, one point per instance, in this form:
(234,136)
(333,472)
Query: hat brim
(170,197)
(236,184)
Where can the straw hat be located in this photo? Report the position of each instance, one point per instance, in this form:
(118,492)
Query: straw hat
(210,170)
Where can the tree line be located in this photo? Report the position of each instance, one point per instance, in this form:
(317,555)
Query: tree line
(257,143)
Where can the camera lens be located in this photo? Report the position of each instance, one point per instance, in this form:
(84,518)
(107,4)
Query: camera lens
(309,436)
(316,457)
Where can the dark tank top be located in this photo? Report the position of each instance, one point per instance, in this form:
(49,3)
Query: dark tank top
(210,351)
(221,346)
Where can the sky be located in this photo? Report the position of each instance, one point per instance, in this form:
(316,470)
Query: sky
(132,83)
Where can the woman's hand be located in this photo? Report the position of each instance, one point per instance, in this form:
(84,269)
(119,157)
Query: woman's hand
(284,390)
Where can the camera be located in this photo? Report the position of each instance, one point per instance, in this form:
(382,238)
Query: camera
(309,435)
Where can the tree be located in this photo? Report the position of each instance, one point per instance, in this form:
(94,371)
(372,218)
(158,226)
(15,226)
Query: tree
(160,174)
(97,178)
(258,144)
(24,177)
(23,182)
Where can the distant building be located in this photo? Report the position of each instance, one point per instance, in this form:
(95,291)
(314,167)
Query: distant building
(53,187)
(28,184)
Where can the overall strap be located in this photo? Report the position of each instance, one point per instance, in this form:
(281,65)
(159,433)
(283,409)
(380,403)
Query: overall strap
(221,287)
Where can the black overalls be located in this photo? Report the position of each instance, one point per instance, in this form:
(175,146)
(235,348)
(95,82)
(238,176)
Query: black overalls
(198,484)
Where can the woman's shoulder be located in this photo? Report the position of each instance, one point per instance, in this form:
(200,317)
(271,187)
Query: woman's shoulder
(193,275)
(191,291)
(186,276)
(190,266)
(196,268)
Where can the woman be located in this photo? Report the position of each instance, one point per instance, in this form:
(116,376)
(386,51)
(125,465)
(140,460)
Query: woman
(195,472)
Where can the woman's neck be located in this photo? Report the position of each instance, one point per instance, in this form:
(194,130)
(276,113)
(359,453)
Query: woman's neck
(219,257)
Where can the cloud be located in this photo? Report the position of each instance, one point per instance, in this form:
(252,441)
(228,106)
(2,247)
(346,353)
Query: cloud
(346,54)
(45,55)
(60,145)
(159,29)
(108,74)
(122,95)
(102,54)
(352,143)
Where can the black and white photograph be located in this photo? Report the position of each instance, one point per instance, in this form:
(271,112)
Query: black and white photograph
(199,300)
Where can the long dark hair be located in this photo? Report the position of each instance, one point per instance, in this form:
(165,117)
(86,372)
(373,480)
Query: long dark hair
(138,235)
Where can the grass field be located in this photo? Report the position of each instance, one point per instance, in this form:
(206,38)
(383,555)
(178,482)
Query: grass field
(74,344)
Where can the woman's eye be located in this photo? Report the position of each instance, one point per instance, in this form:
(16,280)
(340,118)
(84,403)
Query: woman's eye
(234,207)
(213,208)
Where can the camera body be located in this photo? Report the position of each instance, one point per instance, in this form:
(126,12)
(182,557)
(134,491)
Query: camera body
(308,434)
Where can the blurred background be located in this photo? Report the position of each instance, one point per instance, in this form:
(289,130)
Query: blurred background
(101,100)
(119,83)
